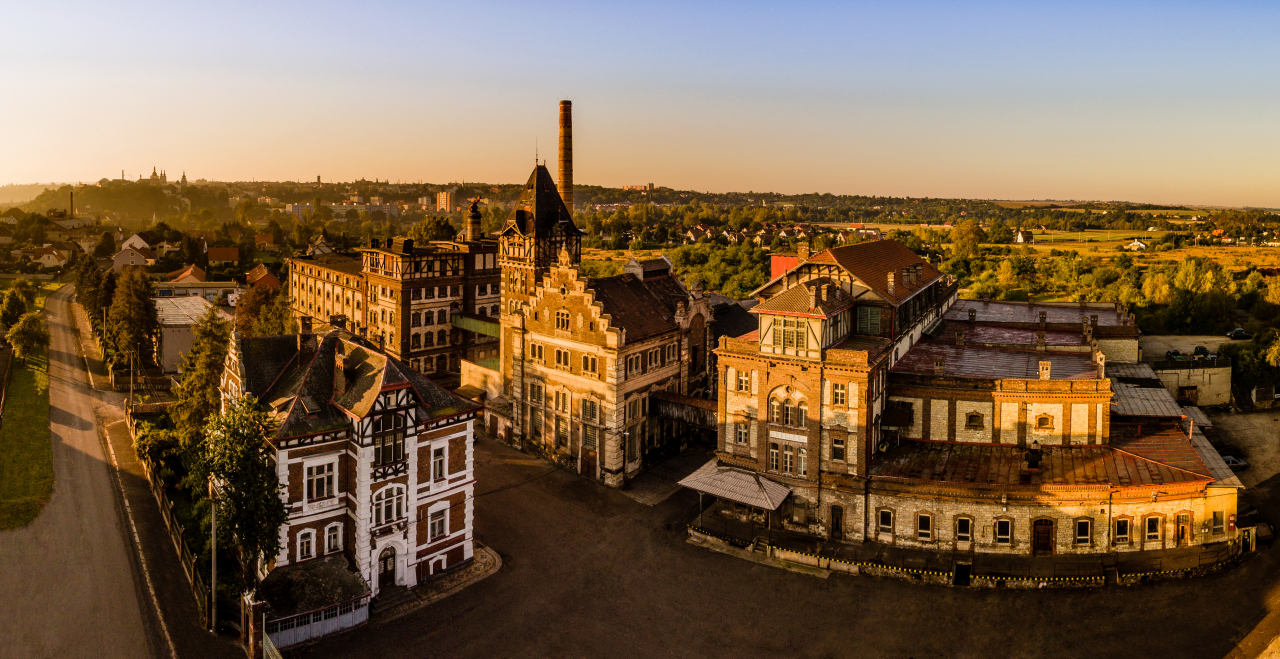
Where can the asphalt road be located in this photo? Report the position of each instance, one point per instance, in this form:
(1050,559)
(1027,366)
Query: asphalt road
(67,586)
(1154,346)
(587,572)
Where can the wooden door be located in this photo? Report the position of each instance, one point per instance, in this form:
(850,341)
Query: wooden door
(589,463)
(837,522)
(1042,537)
(387,568)
(1184,530)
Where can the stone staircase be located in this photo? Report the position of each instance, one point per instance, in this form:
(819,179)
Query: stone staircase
(389,598)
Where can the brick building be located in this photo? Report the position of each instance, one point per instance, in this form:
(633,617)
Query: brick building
(891,412)
(376,459)
(430,305)
(585,361)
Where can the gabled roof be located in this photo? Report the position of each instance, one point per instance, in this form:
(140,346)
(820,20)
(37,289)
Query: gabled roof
(642,307)
(872,261)
(259,272)
(540,212)
(795,301)
(738,485)
(192,270)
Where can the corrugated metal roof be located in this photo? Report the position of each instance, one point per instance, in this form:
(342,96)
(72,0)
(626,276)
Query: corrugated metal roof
(1198,416)
(969,361)
(182,311)
(738,485)
(1136,391)
(1222,474)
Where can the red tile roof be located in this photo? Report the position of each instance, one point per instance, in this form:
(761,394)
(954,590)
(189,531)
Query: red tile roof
(224,254)
(872,261)
(795,301)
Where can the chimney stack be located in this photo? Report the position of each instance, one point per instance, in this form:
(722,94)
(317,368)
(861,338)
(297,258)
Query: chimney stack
(959,337)
(1045,368)
(973,315)
(802,251)
(1040,341)
(939,365)
(566,154)
(1044,317)
(813,297)
(473,231)
(890,286)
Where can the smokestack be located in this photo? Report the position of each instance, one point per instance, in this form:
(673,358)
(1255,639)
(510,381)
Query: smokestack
(566,154)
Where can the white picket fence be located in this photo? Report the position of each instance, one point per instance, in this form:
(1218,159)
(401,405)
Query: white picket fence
(302,627)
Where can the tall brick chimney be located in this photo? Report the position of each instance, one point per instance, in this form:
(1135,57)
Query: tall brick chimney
(566,154)
(939,365)
(890,283)
(802,251)
(1045,368)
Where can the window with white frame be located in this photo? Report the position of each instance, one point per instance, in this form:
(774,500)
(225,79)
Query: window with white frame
(744,433)
(332,538)
(388,438)
(655,358)
(671,352)
(438,464)
(1004,532)
(788,458)
(802,462)
(1083,531)
(744,381)
(837,449)
(773,456)
(439,523)
(388,505)
(790,333)
(306,544)
(634,365)
(924,527)
(884,521)
(320,481)
(839,394)
(964,529)
(1153,528)
(1122,530)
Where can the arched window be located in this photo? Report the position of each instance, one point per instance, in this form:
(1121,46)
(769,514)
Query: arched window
(388,505)
(428,318)
(802,462)
(788,413)
(775,411)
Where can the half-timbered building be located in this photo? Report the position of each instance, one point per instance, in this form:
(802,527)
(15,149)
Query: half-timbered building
(375,460)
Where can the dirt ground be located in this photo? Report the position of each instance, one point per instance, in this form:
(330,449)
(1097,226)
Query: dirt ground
(1154,347)
(1254,436)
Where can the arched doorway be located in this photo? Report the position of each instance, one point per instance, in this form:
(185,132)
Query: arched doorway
(387,568)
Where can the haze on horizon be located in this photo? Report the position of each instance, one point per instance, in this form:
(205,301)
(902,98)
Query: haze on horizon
(1150,102)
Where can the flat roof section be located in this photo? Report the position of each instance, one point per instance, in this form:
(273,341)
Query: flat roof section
(1021,312)
(983,333)
(969,361)
(1136,391)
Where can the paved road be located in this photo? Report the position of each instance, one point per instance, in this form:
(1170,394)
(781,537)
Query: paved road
(587,572)
(1154,346)
(67,586)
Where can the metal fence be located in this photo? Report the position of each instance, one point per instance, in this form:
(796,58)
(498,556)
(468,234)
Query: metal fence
(185,555)
(302,627)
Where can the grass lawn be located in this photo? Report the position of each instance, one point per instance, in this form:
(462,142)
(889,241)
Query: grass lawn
(26,453)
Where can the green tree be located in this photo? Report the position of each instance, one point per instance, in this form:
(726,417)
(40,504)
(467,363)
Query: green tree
(276,317)
(250,307)
(436,227)
(238,454)
(106,246)
(28,290)
(12,309)
(28,335)
(965,239)
(132,321)
(197,395)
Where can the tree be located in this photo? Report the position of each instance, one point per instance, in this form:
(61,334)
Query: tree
(132,321)
(28,335)
(436,227)
(238,454)
(965,239)
(276,317)
(197,393)
(1007,276)
(27,289)
(251,305)
(12,309)
(106,246)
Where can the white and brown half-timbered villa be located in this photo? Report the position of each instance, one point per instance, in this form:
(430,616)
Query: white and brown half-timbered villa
(375,459)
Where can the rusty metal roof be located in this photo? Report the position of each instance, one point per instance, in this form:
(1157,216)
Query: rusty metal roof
(984,333)
(1005,465)
(738,485)
(1163,442)
(872,261)
(1138,392)
(968,361)
(1021,312)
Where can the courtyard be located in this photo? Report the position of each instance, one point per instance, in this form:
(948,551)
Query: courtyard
(588,571)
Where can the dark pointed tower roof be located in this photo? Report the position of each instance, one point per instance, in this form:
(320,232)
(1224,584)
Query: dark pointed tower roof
(540,211)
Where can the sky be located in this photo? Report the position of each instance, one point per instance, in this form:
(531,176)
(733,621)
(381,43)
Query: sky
(1162,102)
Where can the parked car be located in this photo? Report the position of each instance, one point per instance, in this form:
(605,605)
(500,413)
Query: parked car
(1174,355)
(1238,334)
(1235,463)
(1204,353)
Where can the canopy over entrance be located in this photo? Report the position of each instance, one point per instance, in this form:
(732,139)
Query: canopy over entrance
(737,485)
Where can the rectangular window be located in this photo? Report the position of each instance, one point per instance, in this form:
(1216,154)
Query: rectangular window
(633,410)
(773,457)
(588,437)
(535,423)
(304,545)
(869,320)
(1083,534)
(802,462)
(535,393)
(437,464)
(885,521)
(588,410)
(1218,522)
(964,529)
(1153,528)
(437,525)
(332,539)
(388,439)
(924,527)
(1122,530)
(837,449)
(671,352)
(744,433)
(588,364)
(1004,532)
(744,381)
(839,395)
(790,333)
(655,358)
(320,482)
(562,432)
(787,459)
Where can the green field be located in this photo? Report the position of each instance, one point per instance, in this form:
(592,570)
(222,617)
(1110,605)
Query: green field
(26,453)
